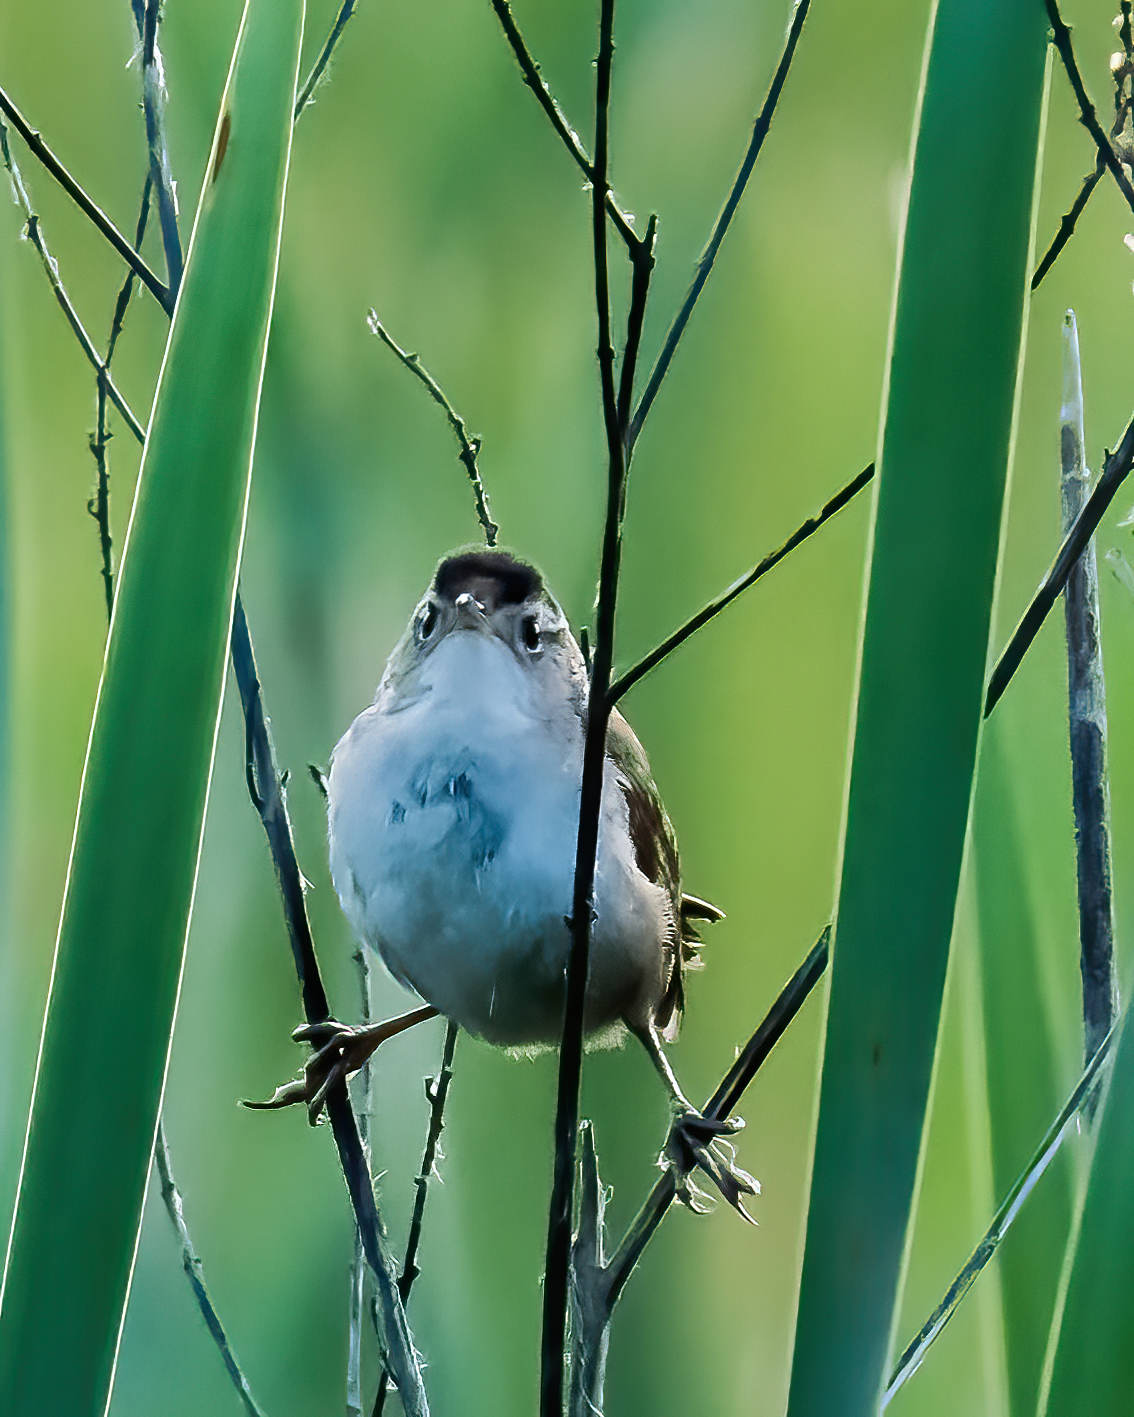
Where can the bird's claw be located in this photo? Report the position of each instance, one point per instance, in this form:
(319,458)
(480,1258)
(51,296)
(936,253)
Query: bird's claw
(339,1052)
(698,1143)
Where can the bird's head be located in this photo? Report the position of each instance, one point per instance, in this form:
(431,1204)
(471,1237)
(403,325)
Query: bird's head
(502,600)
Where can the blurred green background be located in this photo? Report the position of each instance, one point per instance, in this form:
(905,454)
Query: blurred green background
(426,182)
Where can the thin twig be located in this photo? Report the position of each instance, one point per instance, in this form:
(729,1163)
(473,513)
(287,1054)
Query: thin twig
(267,790)
(557,1268)
(535,81)
(1123,73)
(99,504)
(1067,224)
(191,1263)
(597,1283)
(626,682)
(436,1092)
(153,106)
(320,65)
(724,220)
(1061,38)
(358,1265)
(469,447)
(1115,471)
(94,213)
(34,233)
(1009,1208)
(642,268)
(723,1102)
(1087,719)
(590,1309)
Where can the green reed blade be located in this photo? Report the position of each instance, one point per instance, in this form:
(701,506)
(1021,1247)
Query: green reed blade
(1088,1361)
(129,890)
(955,344)
(1022,1057)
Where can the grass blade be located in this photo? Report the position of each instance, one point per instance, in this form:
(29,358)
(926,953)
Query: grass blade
(945,447)
(130,884)
(1006,1215)
(1088,1366)
(1021,1057)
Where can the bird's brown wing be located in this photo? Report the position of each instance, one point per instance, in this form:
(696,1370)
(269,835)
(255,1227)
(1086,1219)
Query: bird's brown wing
(655,850)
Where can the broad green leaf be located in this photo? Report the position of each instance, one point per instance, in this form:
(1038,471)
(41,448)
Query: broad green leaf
(942,468)
(121,943)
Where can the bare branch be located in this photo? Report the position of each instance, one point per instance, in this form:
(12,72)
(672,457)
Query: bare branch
(626,682)
(191,1263)
(1123,76)
(722,1103)
(557,1267)
(1086,686)
(590,1308)
(1115,471)
(1067,224)
(436,1091)
(34,233)
(346,10)
(272,808)
(358,1264)
(39,149)
(99,505)
(642,268)
(153,105)
(724,221)
(558,119)
(469,447)
(1061,38)
(597,1283)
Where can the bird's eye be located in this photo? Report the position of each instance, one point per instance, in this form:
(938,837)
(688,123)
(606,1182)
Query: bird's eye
(530,631)
(428,621)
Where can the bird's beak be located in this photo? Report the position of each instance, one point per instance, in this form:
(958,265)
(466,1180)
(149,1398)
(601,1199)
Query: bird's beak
(471,614)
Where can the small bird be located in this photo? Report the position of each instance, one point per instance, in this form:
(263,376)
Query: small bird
(453,808)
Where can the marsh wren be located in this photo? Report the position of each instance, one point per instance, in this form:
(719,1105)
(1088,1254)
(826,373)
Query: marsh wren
(453,809)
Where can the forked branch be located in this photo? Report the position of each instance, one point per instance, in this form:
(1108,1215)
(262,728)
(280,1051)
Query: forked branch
(1123,88)
(598,1283)
(558,119)
(1061,38)
(708,259)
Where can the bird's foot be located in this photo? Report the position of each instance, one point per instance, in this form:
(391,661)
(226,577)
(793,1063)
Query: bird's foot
(340,1050)
(698,1143)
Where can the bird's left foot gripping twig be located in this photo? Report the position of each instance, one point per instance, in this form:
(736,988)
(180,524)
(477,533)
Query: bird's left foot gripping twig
(698,1143)
(340,1050)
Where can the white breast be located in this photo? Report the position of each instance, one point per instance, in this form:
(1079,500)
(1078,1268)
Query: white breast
(453,821)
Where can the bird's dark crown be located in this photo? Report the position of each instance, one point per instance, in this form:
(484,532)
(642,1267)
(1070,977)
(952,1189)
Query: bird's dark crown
(495,577)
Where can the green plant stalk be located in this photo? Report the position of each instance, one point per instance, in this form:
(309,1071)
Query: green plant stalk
(955,345)
(120,950)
